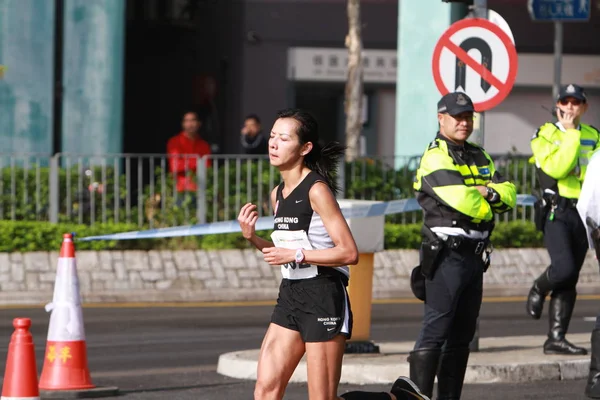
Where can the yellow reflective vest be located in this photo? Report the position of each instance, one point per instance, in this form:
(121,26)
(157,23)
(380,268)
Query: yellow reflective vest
(445,184)
(562,157)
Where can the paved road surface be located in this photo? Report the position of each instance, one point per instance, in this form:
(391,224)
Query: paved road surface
(152,353)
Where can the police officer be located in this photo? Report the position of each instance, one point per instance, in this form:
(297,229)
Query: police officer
(460,191)
(588,207)
(561,152)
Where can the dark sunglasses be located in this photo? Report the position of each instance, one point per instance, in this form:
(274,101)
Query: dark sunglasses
(575,102)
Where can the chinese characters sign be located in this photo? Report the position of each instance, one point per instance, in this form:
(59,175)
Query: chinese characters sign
(330,65)
(560,10)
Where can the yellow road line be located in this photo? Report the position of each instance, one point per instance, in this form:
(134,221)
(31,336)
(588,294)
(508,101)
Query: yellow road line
(226,304)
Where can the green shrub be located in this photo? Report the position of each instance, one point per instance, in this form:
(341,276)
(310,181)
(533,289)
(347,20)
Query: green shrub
(25,236)
(24,189)
(514,234)
(399,236)
(517,234)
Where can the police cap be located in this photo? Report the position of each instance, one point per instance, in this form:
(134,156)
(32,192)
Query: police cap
(455,103)
(572,90)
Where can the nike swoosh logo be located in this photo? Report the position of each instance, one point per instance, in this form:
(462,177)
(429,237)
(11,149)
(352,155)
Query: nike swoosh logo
(298,201)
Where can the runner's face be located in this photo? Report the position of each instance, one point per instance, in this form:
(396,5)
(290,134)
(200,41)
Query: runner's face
(458,127)
(284,144)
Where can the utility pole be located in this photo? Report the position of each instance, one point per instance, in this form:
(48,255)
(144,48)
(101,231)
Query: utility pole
(354,82)
(558,48)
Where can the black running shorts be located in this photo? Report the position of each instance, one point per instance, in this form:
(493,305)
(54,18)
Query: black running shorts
(318,308)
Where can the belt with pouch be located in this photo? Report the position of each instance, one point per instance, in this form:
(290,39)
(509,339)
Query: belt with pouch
(433,249)
(565,203)
(462,243)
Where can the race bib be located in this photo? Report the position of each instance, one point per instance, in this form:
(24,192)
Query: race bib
(294,240)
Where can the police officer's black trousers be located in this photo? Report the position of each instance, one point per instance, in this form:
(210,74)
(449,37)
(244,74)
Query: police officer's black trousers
(451,310)
(565,239)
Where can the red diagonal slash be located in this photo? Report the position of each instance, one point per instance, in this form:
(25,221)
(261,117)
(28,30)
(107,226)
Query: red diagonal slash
(485,73)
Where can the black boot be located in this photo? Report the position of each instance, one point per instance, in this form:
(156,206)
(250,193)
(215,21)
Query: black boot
(453,365)
(561,309)
(537,294)
(423,367)
(592,389)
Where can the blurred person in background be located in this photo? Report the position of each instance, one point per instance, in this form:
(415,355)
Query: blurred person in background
(253,140)
(183,151)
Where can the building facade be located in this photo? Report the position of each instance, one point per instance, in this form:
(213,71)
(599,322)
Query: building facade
(112,76)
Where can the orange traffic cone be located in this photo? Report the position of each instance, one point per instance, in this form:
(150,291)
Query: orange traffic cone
(20,375)
(65,361)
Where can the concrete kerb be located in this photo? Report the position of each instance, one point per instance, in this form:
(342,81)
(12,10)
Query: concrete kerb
(505,359)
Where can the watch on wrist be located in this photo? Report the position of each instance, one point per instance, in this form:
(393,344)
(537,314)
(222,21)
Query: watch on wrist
(491,194)
(299,256)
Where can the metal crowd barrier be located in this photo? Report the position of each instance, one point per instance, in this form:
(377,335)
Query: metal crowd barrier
(141,189)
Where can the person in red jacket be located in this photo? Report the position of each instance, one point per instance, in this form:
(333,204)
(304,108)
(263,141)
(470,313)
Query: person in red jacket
(182,150)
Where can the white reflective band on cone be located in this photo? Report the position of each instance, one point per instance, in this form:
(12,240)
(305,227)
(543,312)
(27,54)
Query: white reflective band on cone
(66,286)
(65,323)
(19,398)
(66,320)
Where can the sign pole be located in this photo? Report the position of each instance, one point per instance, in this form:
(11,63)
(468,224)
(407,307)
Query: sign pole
(480,11)
(480,8)
(558,47)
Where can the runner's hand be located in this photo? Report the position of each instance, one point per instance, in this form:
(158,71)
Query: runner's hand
(247,220)
(278,255)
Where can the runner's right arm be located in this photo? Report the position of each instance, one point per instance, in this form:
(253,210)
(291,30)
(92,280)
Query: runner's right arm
(247,220)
